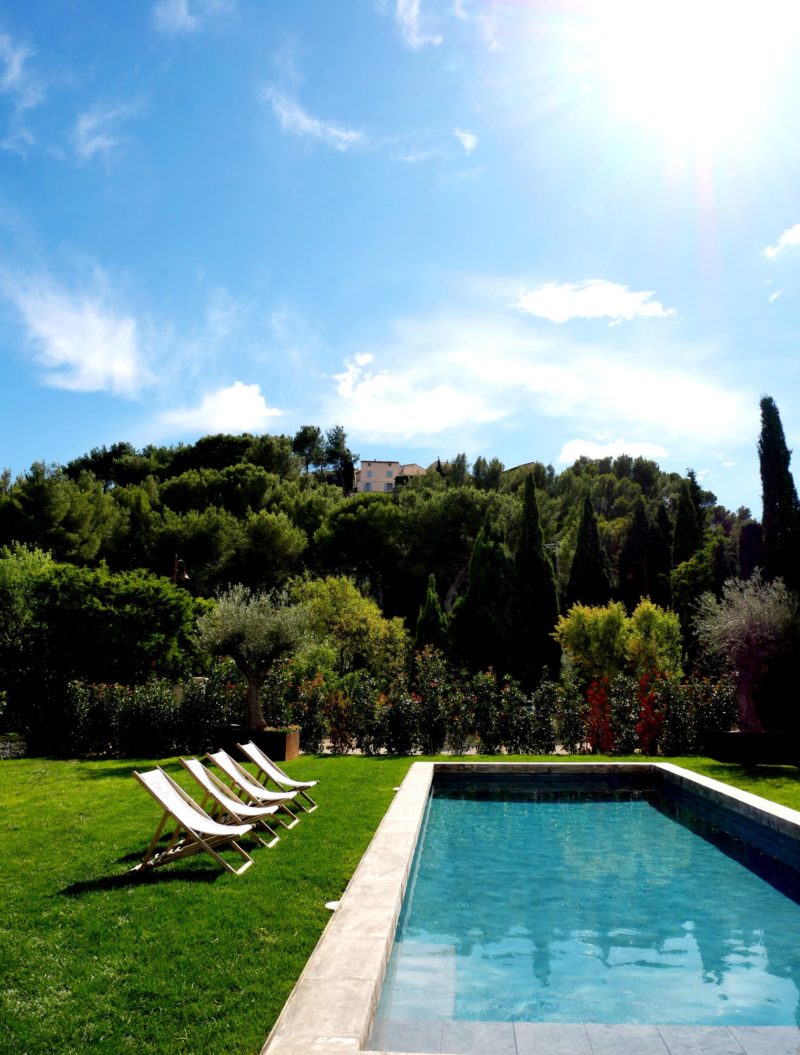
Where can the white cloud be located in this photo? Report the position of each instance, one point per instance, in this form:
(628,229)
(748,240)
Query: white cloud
(408,17)
(406,404)
(468,140)
(774,296)
(96,130)
(456,373)
(485,20)
(790,239)
(238,408)
(82,343)
(574,449)
(593,299)
(187,16)
(293,118)
(22,86)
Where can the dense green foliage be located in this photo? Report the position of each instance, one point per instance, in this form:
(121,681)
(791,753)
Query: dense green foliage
(477,561)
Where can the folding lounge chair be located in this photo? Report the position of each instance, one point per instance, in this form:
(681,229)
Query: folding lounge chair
(245,783)
(194,829)
(229,809)
(267,770)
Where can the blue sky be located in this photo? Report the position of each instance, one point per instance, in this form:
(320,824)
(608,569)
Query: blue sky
(529,230)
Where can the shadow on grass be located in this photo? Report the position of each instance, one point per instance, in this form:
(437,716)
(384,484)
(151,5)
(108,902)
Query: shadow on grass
(146,876)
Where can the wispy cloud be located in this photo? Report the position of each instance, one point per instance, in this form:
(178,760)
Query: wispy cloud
(774,296)
(788,241)
(238,408)
(22,86)
(408,17)
(187,16)
(451,375)
(80,340)
(594,299)
(574,449)
(486,20)
(468,140)
(294,119)
(97,130)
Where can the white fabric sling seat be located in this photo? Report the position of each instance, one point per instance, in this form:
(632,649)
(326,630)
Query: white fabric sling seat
(228,808)
(244,783)
(267,770)
(194,830)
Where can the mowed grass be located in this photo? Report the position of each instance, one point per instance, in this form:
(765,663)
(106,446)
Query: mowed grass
(189,958)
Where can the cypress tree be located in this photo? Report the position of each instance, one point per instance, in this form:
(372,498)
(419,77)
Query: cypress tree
(431,621)
(634,577)
(780,516)
(687,536)
(661,558)
(482,624)
(536,600)
(589,581)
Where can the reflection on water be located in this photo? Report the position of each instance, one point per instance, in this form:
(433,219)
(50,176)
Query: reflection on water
(573,909)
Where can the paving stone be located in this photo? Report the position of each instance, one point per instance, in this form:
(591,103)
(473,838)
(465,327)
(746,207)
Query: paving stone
(479,1038)
(551,1038)
(700,1040)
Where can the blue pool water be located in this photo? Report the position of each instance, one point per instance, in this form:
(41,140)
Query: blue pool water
(574,908)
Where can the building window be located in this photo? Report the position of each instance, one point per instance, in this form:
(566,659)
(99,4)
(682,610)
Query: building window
(388,486)
(369,474)
(367,487)
(389,473)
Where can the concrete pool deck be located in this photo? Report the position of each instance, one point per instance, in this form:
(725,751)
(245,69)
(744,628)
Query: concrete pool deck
(331,1008)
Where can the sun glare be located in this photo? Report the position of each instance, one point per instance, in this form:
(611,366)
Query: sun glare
(698,74)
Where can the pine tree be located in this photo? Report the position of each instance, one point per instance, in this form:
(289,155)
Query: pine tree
(688,536)
(431,622)
(780,516)
(589,581)
(536,601)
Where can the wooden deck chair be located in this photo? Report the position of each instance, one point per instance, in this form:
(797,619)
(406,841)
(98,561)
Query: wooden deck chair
(267,770)
(245,784)
(194,829)
(228,808)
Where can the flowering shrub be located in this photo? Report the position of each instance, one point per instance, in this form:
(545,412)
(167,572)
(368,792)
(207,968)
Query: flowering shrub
(122,720)
(399,713)
(362,689)
(598,724)
(433,685)
(692,710)
(484,703)
(571,713)
(651,719)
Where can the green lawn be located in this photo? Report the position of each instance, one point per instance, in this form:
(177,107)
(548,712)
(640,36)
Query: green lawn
(189,959)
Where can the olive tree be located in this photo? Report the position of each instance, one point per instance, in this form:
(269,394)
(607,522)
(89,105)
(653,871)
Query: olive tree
(747,627)
(254,629)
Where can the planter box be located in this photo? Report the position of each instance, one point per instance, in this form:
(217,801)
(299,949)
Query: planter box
(281,745)
(755,749)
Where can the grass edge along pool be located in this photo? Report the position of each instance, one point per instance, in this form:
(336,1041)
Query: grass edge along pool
(333,1003)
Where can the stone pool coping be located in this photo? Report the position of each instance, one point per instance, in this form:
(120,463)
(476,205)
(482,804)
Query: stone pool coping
(331,1007)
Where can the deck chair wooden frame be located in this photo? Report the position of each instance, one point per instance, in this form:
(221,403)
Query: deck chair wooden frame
(227,808)
(194,830)
(267,770)
(245,784)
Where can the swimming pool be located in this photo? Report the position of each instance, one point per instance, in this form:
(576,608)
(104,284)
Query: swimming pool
(533,905)
(332,1007)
